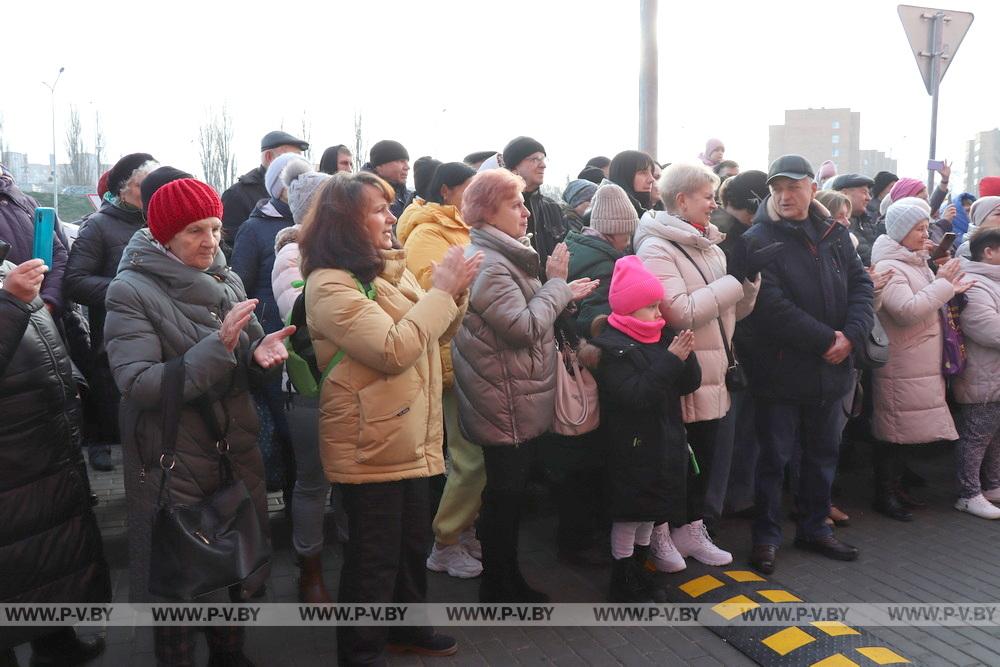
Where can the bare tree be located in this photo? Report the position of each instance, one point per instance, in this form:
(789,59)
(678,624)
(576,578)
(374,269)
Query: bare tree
(98,142)
(359,142)
(79,171)
(307,135)
(215,148)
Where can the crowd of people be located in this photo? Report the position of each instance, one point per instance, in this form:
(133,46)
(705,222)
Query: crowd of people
(725,331)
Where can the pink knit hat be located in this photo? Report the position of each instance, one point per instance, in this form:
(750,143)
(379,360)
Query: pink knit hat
(906,187)
(633,286)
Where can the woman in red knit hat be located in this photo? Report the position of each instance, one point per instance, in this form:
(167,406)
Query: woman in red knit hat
(175,297)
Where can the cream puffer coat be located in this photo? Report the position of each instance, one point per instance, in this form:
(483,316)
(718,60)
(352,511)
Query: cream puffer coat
(505,353)
(980,322)
(909,391)
(286,277)
(380,407)
(690,303)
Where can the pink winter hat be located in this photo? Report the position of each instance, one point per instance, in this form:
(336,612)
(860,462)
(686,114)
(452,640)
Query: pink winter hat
(633,286)
(906,187)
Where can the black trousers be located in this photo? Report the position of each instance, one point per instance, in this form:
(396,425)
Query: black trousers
(701,436)
(507,471)
(384,561)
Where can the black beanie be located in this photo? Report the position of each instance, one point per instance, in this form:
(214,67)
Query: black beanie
(423,172)
(451,174)
(478,157)
(746,190)
(331,156)
(157,179)
(882,180)
(592,174)
(120,173)
(518,149)
(387,150)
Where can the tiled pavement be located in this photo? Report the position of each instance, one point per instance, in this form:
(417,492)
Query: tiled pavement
(943,556)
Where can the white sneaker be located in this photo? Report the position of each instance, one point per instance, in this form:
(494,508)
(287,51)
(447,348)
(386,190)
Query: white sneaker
(993,495)
(472,546)
(978,506)
(692,540)
(665,554)
(456,561)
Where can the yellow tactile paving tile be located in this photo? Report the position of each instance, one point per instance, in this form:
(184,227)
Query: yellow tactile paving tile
(836,660)
(785,641)
(701,585)
(883,656)
(777,595)
(743,576)
(734,606)
(835,628)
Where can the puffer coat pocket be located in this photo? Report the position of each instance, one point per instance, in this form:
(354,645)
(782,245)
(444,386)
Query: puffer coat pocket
(393,418)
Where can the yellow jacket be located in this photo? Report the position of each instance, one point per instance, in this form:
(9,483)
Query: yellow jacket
(380,408)
(426,231)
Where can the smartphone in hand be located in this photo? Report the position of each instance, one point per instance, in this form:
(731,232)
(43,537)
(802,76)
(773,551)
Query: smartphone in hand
(944,247)
(935,165)
(45,229)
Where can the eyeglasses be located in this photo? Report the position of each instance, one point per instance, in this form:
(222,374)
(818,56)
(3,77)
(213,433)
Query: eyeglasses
(537,160)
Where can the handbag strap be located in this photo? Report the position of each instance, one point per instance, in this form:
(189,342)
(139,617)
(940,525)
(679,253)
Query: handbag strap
(722,330)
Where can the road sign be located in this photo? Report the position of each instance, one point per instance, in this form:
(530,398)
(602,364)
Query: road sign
(934,35)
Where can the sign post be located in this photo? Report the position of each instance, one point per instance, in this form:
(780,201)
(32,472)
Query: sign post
(934,36)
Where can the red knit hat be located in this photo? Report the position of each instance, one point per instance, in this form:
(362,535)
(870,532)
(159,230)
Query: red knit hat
(989,186)
(179,203)
(633,286)
(102,184)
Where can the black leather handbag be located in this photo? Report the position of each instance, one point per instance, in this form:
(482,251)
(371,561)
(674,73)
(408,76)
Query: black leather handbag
(215,544)
(875,352)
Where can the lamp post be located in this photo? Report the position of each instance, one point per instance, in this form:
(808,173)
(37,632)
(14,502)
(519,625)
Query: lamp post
(55,166)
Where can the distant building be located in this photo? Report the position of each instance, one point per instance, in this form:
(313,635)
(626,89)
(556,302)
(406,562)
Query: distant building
(17,163)
(873,161)
(982,159)
(818,135)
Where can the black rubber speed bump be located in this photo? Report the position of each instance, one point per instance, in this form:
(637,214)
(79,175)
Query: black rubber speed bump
(733,591)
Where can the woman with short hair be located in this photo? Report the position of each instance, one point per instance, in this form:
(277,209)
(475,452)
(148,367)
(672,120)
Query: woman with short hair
(380,424)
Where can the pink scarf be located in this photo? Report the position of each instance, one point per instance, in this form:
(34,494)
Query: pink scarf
(644,332)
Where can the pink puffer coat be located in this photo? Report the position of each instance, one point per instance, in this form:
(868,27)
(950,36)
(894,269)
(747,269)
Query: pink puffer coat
(286,270)
(909,391)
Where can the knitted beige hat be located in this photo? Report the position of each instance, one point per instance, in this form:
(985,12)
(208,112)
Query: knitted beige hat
(611,212)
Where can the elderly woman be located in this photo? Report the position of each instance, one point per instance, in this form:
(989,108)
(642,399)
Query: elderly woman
(93,262)
(505,366)
(909,391)
(175,297)
(380,424)
(681,247)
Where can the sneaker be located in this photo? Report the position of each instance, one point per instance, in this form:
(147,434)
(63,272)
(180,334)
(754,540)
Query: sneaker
(472,546)
(692,540)
(665,554)
(100,458)
(456,561)
(978,506)
(993,495)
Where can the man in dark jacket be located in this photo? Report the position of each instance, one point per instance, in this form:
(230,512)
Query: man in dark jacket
(243,195)
(390,161)
(17,227)
(50,546)
(814,308)
(526,157)
(93,262)
(857,188)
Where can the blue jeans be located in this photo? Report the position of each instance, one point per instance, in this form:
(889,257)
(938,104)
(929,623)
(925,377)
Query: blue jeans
(781,430)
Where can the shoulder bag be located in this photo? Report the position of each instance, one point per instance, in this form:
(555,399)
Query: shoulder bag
(576,407)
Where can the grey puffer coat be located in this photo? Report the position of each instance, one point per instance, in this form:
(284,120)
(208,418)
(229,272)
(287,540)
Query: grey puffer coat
(980,321)
(504,355)
(158,309)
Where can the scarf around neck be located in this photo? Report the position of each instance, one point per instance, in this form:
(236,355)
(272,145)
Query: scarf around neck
(643,332)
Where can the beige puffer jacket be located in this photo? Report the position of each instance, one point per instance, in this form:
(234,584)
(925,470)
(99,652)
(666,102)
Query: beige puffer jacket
(504,355)
(690,303)
(380,407)
(980,321)
(909,391)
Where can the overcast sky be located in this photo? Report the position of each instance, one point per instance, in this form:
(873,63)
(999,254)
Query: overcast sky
(450,77)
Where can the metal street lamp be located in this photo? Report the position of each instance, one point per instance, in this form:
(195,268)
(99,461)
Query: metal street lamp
(55,166)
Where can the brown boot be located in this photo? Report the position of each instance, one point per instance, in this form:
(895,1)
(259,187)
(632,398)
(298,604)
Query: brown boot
(311,586)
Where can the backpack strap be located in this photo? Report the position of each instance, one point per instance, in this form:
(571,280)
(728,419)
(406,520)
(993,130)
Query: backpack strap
(368,289)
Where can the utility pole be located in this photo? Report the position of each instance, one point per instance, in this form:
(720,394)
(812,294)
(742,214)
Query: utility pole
(55,163)
(648,78)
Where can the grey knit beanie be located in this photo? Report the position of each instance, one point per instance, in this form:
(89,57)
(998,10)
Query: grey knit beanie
(302,182)
(904,215)
(611,212)
(981,208)
(578,191)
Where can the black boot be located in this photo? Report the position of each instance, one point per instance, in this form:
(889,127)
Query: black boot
(626,584)
(647,577)
(888,503)
(885,462)
(63,649)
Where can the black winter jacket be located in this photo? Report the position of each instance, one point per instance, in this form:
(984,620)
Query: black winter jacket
(240,199)
(865,227)
(546,224)
(816,287)
(642,426)
(17,212)
(93,261)
(50,546)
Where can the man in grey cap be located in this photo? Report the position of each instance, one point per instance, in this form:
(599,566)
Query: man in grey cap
(243,195)
(857,188)
(813,309)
